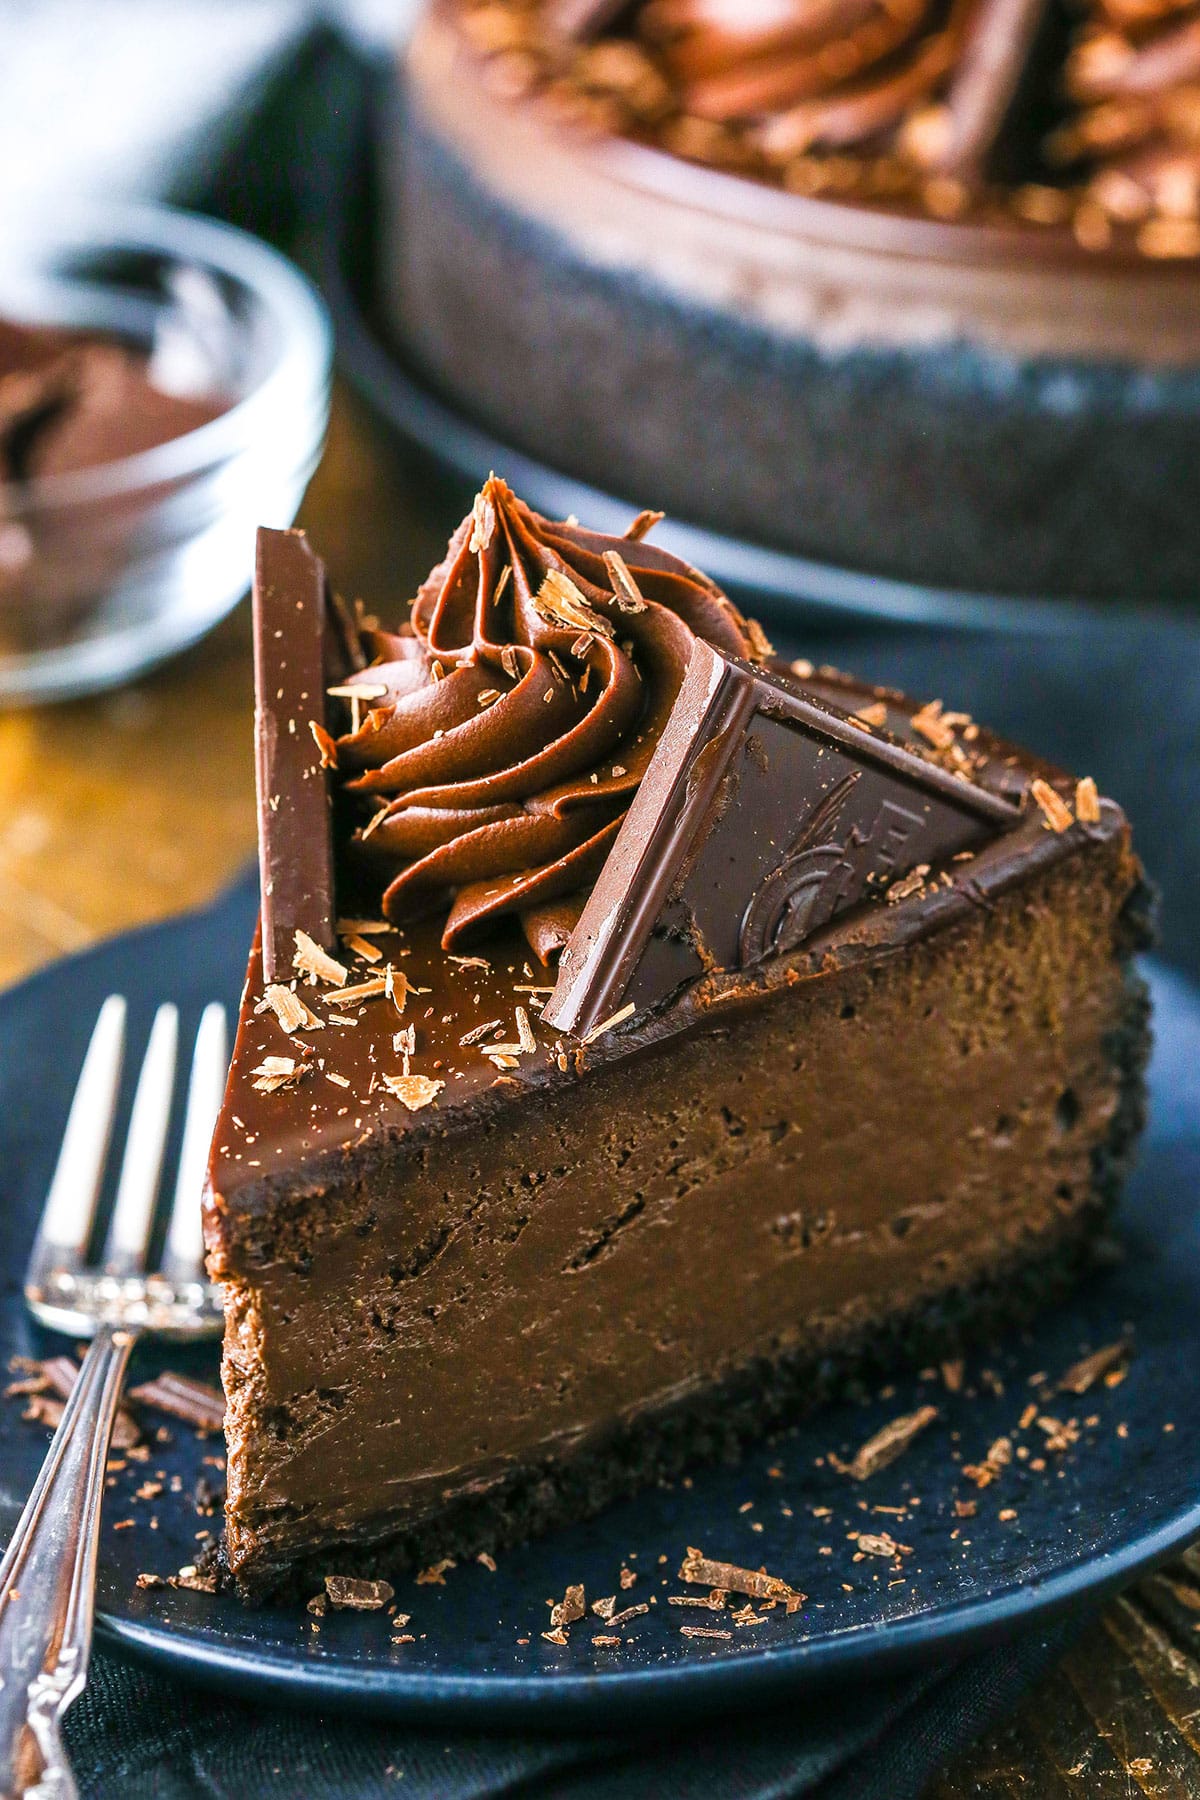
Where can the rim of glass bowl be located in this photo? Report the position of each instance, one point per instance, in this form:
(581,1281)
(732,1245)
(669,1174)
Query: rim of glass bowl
(303,365)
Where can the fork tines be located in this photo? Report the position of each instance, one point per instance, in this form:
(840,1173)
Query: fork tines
(58,1273)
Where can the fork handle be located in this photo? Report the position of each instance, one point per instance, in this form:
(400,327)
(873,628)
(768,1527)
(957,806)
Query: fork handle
(48,1581)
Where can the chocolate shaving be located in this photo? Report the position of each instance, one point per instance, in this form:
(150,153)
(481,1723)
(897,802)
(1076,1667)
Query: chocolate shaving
(1057,813)
(880,1544)
(349,1594)
(570,1607)
(413,1091)
(363,990)
(1088,1370)
(326,746)
(309,959)
(479,1032)
(645,522)
(1087,802)
(194,1402)
(435,1574)
(628,594)
(703,1571)
(887,1444)
(289,1009)
(275,1072)
(362,946)
(630,1612)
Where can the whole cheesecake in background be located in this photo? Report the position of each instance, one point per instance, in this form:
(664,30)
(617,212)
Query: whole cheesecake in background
(641,1038)
(917,285)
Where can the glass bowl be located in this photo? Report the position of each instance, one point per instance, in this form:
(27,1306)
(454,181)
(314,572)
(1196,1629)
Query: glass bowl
(107,569)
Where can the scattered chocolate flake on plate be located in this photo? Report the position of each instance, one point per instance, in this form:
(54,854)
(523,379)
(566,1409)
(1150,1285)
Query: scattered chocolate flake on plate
(630,1612)
(570,1607)
(1088,1370)
(194,1402)
(703,1571)
(886,1445)
(435,1574)
(347,1593)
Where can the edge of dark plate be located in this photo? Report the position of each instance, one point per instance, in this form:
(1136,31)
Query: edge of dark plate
(753,1677)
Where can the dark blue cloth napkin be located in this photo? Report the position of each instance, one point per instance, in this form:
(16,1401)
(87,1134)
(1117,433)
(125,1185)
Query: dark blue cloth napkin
(141,1736)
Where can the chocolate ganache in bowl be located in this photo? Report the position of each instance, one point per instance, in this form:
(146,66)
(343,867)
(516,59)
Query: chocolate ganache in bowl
(498,740)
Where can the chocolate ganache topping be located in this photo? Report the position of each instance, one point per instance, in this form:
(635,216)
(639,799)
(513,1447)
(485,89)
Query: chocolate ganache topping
(497,742)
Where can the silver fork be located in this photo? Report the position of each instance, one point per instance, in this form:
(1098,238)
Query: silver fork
(48,1575)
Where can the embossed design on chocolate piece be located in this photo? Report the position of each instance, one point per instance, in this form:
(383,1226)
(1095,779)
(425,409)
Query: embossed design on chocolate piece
(764,813)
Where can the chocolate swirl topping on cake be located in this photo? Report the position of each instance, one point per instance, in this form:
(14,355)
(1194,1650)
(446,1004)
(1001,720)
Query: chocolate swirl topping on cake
(496,742)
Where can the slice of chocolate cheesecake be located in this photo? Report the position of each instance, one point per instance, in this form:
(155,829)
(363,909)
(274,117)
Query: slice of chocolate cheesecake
(642,1038)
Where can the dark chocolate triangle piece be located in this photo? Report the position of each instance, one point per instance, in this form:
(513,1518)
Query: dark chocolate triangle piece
(763,814)
(295,842)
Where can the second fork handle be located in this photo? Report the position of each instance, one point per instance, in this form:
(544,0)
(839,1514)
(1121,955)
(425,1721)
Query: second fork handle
(48,1581)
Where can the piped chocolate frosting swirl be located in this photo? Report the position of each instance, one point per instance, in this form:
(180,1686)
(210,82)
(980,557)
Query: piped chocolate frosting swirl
(497,741)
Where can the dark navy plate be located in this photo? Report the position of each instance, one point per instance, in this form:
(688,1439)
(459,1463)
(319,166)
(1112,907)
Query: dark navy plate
(779,583)
(1041,1539)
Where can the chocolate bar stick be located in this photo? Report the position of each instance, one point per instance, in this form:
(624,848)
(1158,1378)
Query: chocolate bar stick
(295,848)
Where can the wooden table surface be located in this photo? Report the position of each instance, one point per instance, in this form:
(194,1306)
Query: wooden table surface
(121,809)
